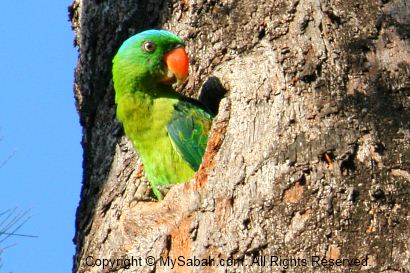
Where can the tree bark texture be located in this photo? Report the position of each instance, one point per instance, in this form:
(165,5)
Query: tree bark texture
(308,156)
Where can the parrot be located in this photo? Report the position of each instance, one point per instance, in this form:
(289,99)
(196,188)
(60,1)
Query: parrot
(167,129)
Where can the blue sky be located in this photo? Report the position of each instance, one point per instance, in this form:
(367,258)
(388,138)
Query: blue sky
(39,127)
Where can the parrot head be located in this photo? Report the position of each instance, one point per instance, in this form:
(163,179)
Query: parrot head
(149,58)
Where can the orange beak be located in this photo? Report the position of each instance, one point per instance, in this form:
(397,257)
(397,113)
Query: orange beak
(177,62)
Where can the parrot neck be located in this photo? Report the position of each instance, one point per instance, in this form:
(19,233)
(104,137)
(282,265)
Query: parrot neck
(155,91)
(143,88)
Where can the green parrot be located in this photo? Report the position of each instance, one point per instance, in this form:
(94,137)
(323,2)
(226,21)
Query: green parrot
(169,130)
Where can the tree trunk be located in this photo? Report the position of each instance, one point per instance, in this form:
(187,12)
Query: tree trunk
(308,158)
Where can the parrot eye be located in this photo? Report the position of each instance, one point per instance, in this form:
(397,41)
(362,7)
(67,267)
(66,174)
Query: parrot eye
(149,46)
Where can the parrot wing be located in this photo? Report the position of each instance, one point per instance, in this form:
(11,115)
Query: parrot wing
(188,131)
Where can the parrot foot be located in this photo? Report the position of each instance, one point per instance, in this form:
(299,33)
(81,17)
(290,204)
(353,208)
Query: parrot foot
(139,199)
(164,189)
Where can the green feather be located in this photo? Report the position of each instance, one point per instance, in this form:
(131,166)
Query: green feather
(188,131)
(168,130)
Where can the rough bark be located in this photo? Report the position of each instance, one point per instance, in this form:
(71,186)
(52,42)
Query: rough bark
(308,156)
